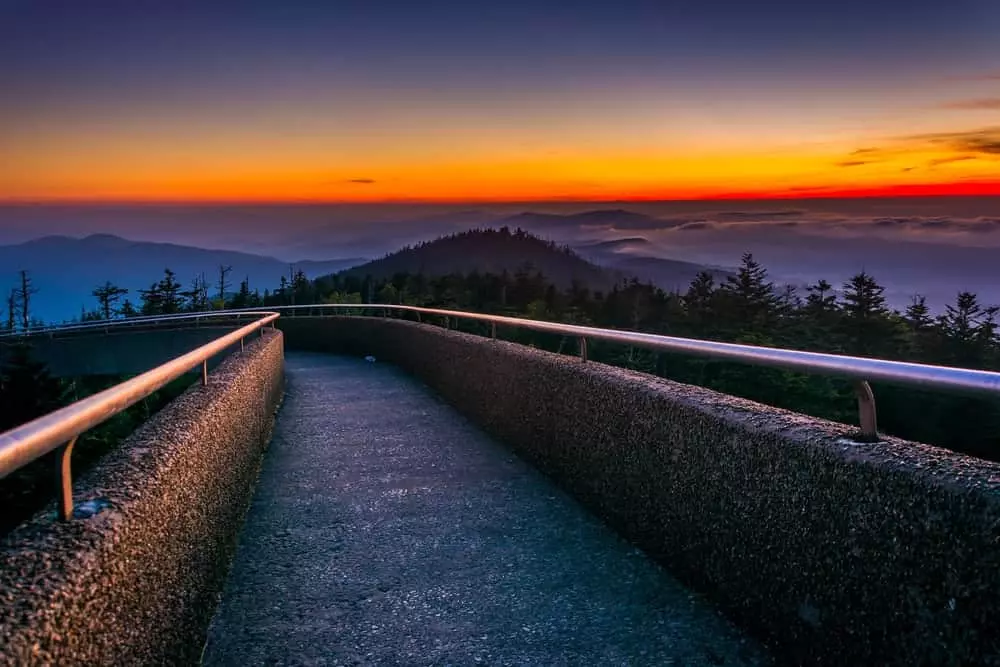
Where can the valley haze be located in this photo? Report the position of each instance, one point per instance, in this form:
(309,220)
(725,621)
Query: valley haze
(934,246)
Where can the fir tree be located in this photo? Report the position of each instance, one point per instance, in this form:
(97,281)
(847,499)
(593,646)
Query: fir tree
(108,295)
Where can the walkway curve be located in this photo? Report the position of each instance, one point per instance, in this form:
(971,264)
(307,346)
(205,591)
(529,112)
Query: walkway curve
(387,529)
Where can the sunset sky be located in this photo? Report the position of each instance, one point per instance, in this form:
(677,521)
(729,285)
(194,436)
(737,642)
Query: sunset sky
(516,100)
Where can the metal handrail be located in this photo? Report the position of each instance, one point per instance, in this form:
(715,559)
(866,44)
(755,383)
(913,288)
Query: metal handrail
(860,370)
(61,428)
(133,321)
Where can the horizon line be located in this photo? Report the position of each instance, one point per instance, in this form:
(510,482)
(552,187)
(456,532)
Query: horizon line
(990,190)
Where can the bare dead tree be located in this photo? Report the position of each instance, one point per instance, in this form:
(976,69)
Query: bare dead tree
(223,283)
(24,294)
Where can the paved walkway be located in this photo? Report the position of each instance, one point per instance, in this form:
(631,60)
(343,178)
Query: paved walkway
(387,529)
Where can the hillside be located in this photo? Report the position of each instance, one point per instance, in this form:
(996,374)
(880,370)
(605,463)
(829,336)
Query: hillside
(489,251)
(65,270)
(629,256)
(631,243)
(671,275)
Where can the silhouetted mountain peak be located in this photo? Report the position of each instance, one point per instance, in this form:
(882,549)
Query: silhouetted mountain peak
(489,251)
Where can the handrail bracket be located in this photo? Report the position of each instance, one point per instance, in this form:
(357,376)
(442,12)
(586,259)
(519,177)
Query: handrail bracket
(64,479)
(866,409)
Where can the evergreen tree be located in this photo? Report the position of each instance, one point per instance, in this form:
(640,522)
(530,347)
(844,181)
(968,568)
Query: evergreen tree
(969,329)
(820,299)
(301,288)
(923,336)
(918,314)
(242,298)
(151,300)
(127,309)
(868,328)
(163,297)
(700,303)
(108,295)
(283,292)
(749,297)
(170,291)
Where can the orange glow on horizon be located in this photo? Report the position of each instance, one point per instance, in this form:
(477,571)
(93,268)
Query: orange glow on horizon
(956,189)
(234,174)
(978,188)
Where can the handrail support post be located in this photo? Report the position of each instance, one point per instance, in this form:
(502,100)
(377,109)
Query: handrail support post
(64,479)
(866,409)
(204,373)
(583,348)
(493,330)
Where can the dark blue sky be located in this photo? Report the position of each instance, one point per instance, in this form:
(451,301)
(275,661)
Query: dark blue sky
(99,47)
(76,70)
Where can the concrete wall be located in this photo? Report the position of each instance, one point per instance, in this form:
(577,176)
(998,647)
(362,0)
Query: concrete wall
(835,552)
(118,352)
(138,582)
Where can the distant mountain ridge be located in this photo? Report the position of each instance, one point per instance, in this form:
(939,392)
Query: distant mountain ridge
(599,265)
(489,251)
(65,270)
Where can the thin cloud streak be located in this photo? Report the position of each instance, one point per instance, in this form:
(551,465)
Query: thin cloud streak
(981,104)
(986,76)
(949,160)
(981,143)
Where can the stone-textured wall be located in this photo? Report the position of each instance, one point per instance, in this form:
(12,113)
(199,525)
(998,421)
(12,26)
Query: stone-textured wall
(836,552)
(119,352)
(137,583)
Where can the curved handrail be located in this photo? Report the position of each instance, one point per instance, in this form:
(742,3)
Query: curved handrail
(134,321)
(861,370)
(61,428)
(924,376)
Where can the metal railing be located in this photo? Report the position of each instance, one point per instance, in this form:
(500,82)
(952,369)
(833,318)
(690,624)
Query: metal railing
(860,370)
(135,322)
(59,430)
